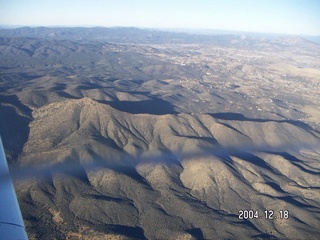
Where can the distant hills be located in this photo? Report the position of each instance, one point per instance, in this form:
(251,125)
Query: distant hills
(147,36)
(126,133)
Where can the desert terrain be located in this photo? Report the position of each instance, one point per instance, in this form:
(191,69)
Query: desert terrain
(126,133)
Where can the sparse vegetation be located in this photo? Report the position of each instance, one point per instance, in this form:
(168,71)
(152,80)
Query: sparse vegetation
(158,135)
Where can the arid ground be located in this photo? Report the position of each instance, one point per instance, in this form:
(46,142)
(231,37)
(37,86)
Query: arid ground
(136,134)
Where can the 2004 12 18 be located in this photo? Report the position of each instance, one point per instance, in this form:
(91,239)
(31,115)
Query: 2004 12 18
(266,214)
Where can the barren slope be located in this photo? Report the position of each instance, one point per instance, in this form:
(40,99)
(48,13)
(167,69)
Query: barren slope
(161,140)
(168,176)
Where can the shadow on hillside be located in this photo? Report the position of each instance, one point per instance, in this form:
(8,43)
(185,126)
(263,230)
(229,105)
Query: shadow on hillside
(295,161)
(155,106)
(253,159)
(231,116)
(196,233)
(130,232)
(14,125)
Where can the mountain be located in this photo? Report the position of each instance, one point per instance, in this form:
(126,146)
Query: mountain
(167,176)
(150,36)
(139,134)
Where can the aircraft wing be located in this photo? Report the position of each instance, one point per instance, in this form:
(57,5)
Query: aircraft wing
(11,222)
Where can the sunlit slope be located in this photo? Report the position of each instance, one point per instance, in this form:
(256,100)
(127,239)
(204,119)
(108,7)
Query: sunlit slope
(88,124)
(169,176)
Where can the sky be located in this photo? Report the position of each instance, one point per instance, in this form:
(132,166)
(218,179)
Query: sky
(268,16)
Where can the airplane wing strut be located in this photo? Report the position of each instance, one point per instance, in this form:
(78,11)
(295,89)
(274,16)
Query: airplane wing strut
(11,222)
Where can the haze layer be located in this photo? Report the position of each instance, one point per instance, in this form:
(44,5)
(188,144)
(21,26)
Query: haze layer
(161,136)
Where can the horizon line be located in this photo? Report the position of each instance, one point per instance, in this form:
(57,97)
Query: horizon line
(191,30)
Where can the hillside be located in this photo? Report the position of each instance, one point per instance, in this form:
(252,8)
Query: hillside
(142,134)
(168,176)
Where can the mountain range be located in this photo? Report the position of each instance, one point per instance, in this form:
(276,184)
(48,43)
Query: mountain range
(126,133)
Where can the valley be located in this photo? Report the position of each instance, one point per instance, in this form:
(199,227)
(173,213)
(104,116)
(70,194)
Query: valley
(140,134)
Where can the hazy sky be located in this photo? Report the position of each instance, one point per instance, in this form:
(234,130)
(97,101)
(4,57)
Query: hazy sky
(277,16)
